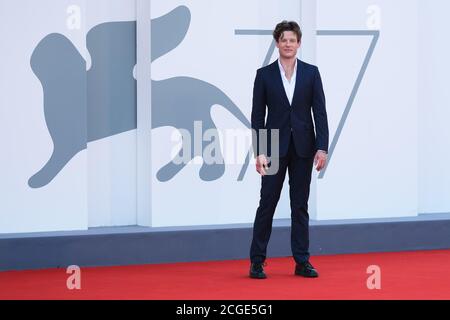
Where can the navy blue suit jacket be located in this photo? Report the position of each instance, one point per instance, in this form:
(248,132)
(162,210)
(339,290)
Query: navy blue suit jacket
(295,120)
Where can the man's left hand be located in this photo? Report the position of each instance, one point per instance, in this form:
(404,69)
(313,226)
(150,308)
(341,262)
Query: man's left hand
(320,159)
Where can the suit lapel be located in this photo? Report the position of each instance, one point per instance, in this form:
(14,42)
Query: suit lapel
(279,83)
(298,79)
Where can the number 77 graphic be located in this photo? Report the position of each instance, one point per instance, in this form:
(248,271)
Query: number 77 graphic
(375,34)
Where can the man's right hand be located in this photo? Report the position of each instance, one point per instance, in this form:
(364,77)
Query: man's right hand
(262,164)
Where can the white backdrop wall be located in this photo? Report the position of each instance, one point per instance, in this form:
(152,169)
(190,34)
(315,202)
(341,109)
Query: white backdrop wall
(26,144)
(390,159)
(373,171)
(212,52)
(112,160)
(434,107)
(97,186)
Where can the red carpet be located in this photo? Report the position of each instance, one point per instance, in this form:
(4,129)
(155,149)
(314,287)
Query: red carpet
(404,275)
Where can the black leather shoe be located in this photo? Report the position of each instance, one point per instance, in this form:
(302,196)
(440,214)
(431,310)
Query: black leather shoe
(306,269)
(257,271)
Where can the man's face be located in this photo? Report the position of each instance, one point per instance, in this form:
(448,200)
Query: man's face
(288,45)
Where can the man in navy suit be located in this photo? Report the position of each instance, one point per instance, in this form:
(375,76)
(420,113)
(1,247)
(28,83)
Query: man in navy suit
(289,89)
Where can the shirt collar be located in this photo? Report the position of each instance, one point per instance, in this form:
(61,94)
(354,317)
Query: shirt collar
(282,69)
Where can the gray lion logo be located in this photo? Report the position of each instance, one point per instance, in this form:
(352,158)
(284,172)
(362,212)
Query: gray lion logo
(110,107)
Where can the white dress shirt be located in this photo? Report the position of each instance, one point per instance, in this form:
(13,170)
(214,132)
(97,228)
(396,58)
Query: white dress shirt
(289,86)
